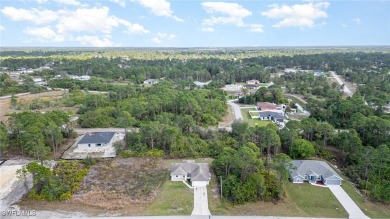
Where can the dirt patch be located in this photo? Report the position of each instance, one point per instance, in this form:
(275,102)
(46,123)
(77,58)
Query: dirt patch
(112,187)
(227,119)
(6,110)
(121,183)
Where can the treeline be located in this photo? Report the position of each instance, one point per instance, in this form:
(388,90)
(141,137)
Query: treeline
(273,94)
(307,83)
(37,134)
(364,139)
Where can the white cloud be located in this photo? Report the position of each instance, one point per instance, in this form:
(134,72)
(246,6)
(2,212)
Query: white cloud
(298,15)
(41,1)
(67,22)
(96,19)
(44,34)
(356,21)
(33,15)
(68,2)
(160,37)
(2,28)
(95,41)
(159,8)
(256,28)
(121,3)
(233,13)
(207,29)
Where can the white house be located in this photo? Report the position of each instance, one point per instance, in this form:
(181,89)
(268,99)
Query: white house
(253,82)
(95,141)
(199,175)
(233,87)
(290,70)
(151,81)
(314,172)
(201,84)
(84,78)
(36,80)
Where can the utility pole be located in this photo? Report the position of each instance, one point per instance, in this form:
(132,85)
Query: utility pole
(221,185)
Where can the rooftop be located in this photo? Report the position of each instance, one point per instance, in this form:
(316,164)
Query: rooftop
(197,171)
(312,167)
(97,137)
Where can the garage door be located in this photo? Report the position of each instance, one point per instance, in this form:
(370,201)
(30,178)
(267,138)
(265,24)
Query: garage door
(333,182)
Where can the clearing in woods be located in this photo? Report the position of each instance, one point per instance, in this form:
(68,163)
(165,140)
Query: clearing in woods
(25,100)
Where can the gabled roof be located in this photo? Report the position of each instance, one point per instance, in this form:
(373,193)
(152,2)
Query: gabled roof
(196,171)
(276,115)
(97,138)
(266,105)
(310,167)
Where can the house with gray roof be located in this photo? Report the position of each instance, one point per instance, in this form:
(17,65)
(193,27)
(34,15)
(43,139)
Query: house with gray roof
(199,175)
(96,140)
(274,116)
(314,171)
(189,170)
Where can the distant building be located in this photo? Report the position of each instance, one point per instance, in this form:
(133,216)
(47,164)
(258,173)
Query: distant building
(151,81)
(253,82)
(201,84)
(74,77)
(290,70)
(37,80)
(84,78)
(233,87)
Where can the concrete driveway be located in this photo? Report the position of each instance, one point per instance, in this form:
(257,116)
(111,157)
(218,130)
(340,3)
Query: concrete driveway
(349,205)
(236,110)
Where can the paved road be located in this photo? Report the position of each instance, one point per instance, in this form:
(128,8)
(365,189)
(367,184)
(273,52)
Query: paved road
(349,205)
(236,110)
(85,130)
(300,99)
(346,89)
(76,215)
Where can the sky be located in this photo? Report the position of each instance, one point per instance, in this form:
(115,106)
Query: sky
(193,23)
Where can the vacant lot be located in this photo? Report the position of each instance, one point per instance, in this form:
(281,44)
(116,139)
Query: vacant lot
(25,100)
(120,183)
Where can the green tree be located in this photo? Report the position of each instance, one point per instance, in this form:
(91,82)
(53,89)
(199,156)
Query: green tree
(302,148)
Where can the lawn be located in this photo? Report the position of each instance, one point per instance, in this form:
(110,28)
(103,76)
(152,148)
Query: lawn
(250,121)
(174,198)
(302,200)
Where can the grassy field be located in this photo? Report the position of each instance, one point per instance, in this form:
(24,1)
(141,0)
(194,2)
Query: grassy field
(250,121)
(302,200)
(371,209)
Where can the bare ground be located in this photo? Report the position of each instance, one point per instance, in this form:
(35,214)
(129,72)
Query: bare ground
(112,187)
(227,119)
(6,110)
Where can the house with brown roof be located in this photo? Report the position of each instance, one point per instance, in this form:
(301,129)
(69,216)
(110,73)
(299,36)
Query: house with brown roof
(264,106)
